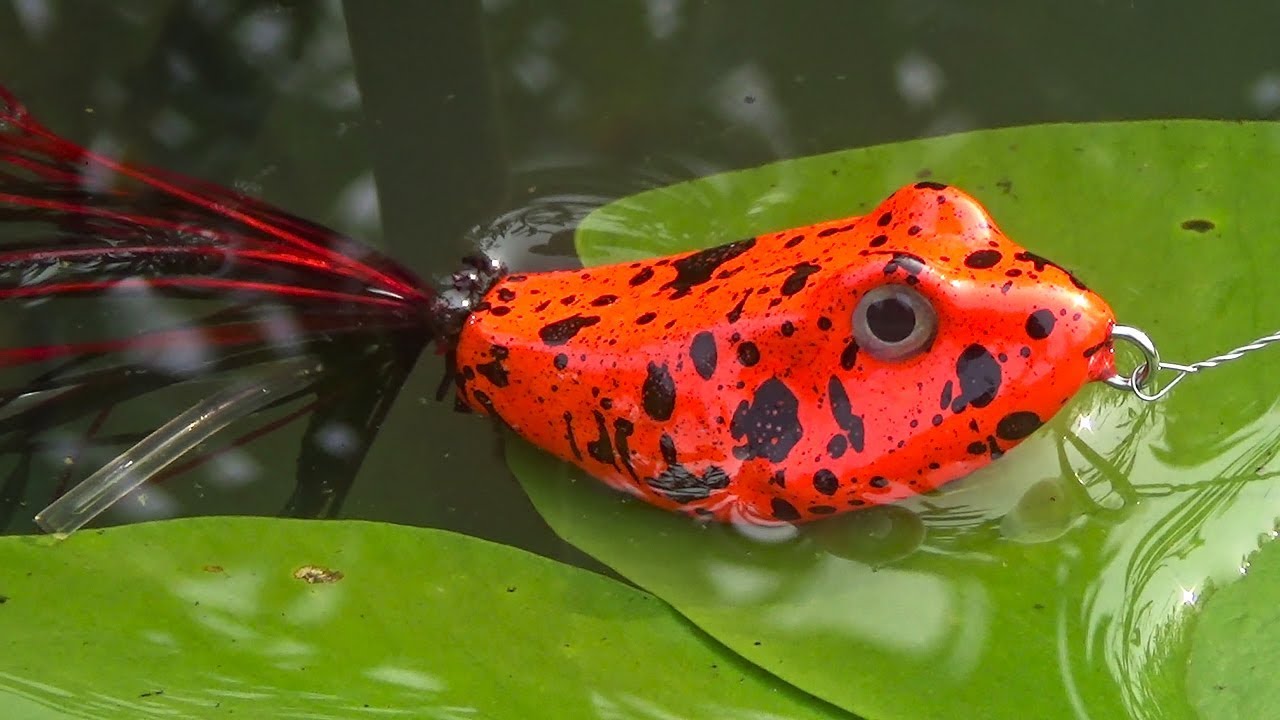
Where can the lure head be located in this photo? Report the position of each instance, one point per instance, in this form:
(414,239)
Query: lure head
(798,374)
(966,342)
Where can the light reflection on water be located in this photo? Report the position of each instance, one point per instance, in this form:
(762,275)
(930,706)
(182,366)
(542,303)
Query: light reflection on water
(1097,566)
(1169,533)
(1189,529)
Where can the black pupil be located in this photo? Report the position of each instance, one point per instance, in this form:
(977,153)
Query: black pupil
(891,320)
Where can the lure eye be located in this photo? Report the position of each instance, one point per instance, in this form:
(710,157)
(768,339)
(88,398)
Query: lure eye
(894,322)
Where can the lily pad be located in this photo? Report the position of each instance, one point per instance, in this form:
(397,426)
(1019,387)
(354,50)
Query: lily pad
(1061,581)
(265,618)
(1232,668)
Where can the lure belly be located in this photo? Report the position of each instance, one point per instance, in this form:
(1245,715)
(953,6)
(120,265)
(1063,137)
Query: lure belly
(795,375)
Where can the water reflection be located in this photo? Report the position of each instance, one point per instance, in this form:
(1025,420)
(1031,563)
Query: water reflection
(1176,543)
(1140,542)
(1097,567)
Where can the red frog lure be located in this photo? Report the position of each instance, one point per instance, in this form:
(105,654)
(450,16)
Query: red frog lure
(794,375)
(782,378)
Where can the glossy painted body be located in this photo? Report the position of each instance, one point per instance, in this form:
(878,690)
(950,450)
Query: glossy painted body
(727,383)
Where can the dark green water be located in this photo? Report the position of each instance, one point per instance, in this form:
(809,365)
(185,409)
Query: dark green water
(431,128)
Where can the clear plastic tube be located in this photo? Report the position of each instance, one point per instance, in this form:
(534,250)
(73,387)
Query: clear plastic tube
(171,441)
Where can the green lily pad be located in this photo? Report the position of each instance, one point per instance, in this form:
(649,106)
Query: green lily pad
(1062,581)
(1232,668)
(262,618)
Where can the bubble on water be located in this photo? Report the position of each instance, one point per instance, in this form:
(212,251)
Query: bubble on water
(663,17)
(358,203)
(1265,92)
(262,34)
(171,127)
(234,469)
(35,16)
(919,80)
(148,502)
(338,439)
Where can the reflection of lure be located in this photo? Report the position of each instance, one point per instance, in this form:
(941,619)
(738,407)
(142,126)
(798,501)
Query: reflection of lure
(786,377)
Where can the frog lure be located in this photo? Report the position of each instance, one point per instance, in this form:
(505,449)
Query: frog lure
(798,374)
(782,378)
